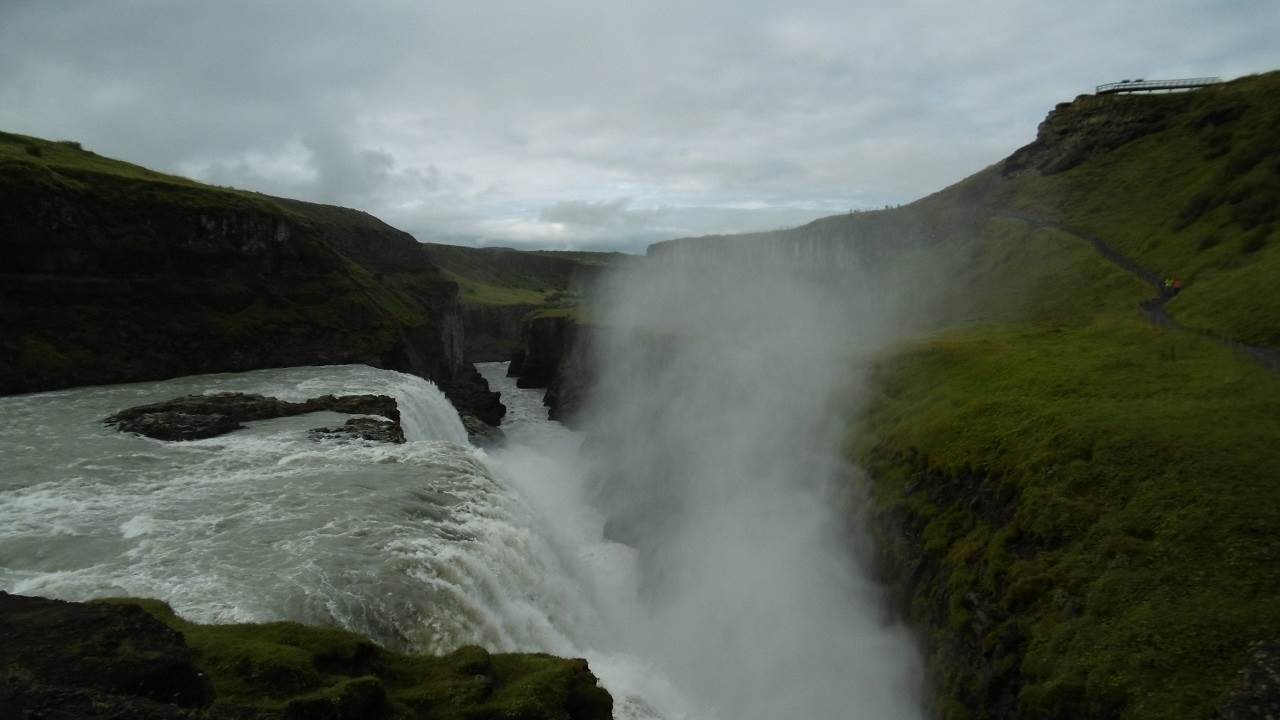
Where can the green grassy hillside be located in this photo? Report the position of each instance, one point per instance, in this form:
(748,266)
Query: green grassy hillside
(1079,508)
(1194,195)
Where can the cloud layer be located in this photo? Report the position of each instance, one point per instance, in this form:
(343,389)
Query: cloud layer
(589,124)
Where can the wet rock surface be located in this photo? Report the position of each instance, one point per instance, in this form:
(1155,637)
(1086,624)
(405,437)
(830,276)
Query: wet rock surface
(481,433)
(363,428)
(196,417)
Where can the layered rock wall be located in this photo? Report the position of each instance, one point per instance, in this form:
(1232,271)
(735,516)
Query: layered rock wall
(120,288)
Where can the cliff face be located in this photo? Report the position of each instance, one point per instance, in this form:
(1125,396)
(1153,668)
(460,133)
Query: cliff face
(493,331)
(500,288)
(115,274)
(556,353)
(571,385)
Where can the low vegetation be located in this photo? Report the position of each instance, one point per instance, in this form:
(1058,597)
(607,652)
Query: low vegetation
(294,671)
(1077,507)
(1196,196)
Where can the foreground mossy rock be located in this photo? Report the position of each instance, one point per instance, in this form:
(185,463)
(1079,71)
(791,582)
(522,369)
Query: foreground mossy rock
(136,659)
(195,417)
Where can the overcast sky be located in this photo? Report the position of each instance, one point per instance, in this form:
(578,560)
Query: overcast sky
(541,123)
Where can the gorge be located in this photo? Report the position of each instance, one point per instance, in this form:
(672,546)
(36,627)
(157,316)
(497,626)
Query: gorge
(931,461)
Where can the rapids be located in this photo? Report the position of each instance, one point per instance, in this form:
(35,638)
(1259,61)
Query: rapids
(422,547)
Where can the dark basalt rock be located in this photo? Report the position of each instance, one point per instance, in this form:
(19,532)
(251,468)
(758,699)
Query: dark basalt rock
(517,363)
(557,355)
(175,425)
(207,280)
(1092,125)
(195,417)
(363,428)
(470,394)
(73,660)
(481,433)
(544,344)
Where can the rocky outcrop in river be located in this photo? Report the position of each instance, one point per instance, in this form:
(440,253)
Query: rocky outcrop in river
(195,417)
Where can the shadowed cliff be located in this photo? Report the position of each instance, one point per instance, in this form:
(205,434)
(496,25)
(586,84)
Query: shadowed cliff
(115,273)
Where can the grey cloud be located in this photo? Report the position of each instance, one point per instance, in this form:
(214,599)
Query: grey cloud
(344,172)
(493,122)
(603,214)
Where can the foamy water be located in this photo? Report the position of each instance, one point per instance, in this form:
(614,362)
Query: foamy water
(423,546)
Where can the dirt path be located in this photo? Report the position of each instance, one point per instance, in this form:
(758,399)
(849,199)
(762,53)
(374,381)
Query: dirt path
(1154,309)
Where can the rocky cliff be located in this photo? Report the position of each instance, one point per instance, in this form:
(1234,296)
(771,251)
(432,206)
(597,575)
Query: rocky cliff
(501,288)
(494,331)
(556,353)
(114,273)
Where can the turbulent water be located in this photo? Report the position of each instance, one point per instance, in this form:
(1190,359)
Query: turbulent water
(433,544)
(423,546)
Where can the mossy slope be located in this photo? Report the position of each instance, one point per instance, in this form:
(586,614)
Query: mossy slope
(1078,508)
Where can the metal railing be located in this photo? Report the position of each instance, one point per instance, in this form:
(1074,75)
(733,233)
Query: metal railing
(1141,85)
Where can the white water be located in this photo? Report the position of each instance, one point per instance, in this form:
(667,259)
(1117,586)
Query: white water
(423,546)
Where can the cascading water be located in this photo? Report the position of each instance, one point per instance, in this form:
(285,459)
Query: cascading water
(692,553)
(416,545)
(423,546)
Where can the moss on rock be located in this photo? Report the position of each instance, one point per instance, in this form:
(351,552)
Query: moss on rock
(121,655)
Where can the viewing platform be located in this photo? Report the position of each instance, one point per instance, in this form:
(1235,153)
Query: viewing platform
(1140,85)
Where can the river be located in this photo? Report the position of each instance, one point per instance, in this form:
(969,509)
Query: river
(423,546)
